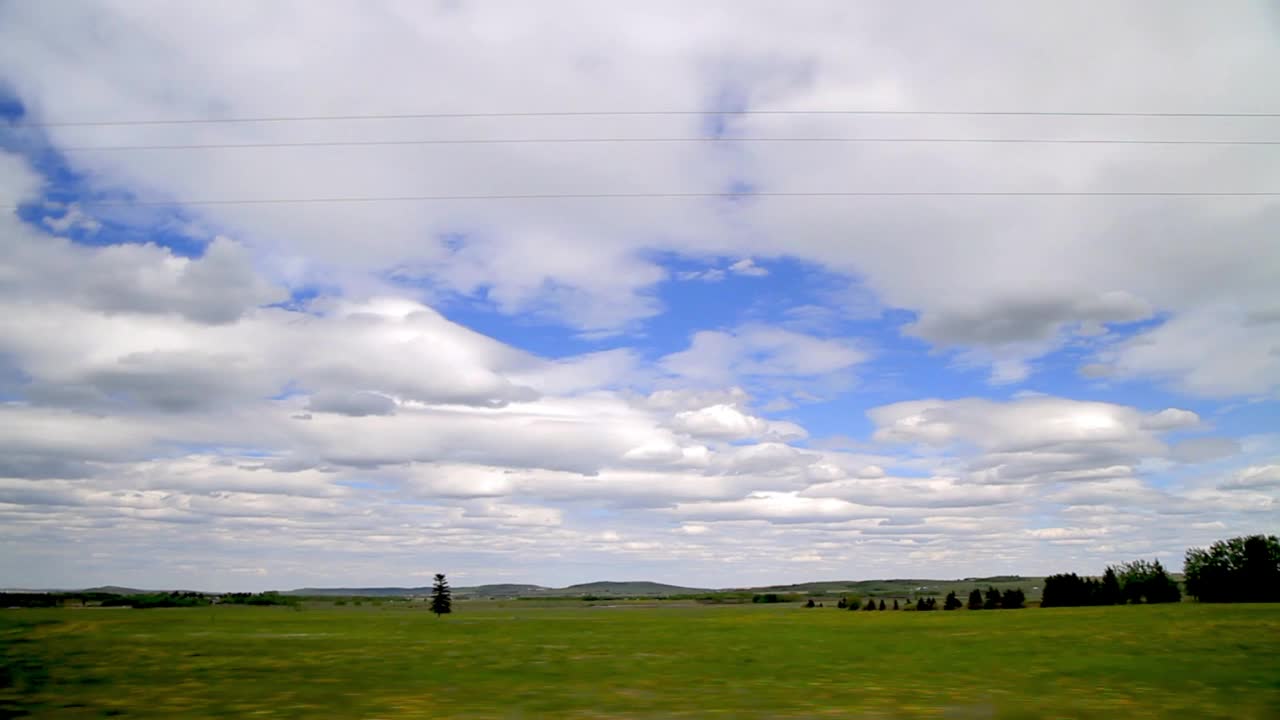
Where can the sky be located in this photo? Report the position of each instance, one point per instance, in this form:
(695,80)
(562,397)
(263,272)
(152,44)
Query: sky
(748,383)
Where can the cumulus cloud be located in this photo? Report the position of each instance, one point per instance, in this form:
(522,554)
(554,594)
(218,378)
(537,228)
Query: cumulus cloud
(1034,439)
(726,422)
(760,351)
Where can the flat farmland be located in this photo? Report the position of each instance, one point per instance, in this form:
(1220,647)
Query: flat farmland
(660,660)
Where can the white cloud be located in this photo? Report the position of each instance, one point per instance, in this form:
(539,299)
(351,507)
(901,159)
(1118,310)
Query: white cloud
(1209,351)
(760,351)
(1254,477)
(748,266)
(726,422)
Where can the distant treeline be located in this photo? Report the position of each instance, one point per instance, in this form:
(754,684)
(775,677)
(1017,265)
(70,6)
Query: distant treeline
(52,599)
(1135,582)
(992,599)
(142,601)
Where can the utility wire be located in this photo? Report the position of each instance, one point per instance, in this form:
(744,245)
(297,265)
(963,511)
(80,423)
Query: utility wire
(659,195)
(619,140)
(642,113)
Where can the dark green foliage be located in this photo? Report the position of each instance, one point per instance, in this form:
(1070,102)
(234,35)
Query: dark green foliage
(895,603)
(1146,581)
(1068,590)
(767,598)
(1109,593)
(1012,599)
(810,603)
(993,599)
(158,600)
(882,604)
(441,600)
(54,599)
(1242,569)
(844,603)
(952,602)
(926,604)
(871,604)
(975,599)
(266,598)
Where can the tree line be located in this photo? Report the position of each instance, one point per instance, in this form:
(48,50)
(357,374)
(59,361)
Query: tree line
(1240,569)
(1133,583)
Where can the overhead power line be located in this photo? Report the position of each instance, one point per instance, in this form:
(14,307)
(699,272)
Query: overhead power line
(642,113)
(619,140)
(663,195)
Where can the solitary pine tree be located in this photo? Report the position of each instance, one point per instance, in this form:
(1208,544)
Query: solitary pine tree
(882,604)
(895,603)
(871,604)
(441,601)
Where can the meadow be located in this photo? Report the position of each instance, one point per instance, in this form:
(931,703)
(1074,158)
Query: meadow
(515,659)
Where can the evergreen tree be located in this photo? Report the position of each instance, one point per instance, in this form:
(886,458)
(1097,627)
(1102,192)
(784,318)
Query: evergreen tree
(441,600)
(895,603)
(1012,599)
(1064,590)
(975,599)
(882,604)
(920,604)
(993,598)
(810,603)
(844,603)
(952,602)
(1109,592)
(871,604)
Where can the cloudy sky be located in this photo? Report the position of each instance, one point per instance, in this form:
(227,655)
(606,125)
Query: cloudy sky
(750,383)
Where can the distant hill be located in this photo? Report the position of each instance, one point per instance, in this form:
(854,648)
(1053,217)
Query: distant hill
(501,590)
(361,592)
(117,590)
(631,588)
(903,587)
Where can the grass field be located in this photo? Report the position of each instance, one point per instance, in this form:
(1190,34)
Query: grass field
(516,660)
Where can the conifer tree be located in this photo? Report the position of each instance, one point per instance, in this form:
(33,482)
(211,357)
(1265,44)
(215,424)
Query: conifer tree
(441,600)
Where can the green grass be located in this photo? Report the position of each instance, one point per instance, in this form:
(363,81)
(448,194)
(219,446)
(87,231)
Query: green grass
(517,660)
